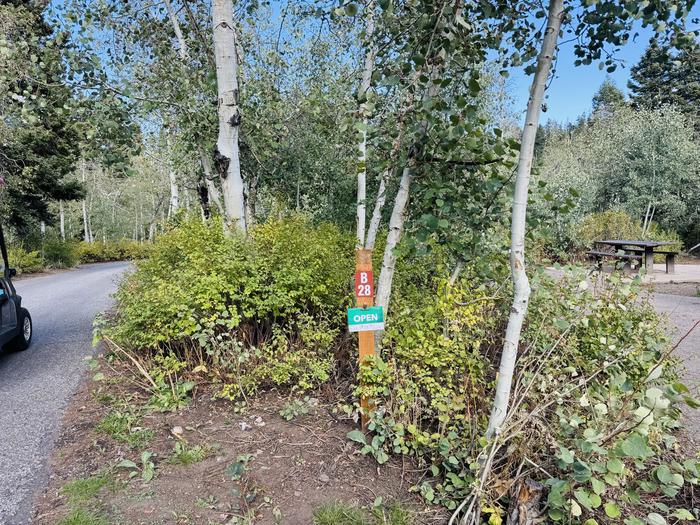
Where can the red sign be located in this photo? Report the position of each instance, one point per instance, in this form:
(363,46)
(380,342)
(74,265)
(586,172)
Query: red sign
(364,284)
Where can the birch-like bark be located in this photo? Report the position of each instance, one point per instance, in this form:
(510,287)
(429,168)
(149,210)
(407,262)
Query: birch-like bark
(521,284)
(62,217)
(362,93)
(646,219)
(398,213)
(227,158)
(86,223)
(174,191)
(178,31)
(455,273)
(377,211)
(398,217)
(386,175)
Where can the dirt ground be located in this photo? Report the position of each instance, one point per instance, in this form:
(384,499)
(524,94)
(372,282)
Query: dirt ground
(257,467)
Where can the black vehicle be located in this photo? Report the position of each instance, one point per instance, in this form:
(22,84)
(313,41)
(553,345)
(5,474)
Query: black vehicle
(15,321)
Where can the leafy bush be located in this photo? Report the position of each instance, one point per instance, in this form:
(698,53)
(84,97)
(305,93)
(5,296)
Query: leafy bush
(24,261)
(261,310)
(123,250)
(60,254)
(595,401)
(611,224)
(615,224)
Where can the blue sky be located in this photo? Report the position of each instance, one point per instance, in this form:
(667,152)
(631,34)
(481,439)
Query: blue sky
(572,90)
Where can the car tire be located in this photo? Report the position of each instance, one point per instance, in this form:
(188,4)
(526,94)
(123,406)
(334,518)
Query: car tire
(26,330)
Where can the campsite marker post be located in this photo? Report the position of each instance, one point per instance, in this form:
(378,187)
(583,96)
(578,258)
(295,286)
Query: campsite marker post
(366,318)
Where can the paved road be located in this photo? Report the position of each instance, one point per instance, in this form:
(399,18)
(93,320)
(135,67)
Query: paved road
(35,385)
(683,313)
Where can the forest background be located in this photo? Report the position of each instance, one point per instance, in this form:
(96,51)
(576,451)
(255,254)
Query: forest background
(243,152)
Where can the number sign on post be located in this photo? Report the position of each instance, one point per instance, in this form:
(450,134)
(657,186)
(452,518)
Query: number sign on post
(364,295)
(364,283)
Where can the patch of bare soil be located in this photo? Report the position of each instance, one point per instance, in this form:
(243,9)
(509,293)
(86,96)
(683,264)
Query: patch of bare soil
(258,468)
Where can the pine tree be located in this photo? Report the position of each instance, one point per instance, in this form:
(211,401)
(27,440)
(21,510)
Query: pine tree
(607,98)
(665,78)
(38,138)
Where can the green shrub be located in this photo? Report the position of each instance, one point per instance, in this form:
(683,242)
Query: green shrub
(595,407)
(611,224)
(60,254)
(266,309)
(123,250)
(24,261)
(616,224)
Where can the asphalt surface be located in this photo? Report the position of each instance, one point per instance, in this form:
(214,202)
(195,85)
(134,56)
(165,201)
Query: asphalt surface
(36,385)
(683,312)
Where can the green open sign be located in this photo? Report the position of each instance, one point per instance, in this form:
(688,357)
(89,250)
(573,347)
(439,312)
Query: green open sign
(366,319)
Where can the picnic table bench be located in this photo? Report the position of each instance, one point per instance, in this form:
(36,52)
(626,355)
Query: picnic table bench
(637,250)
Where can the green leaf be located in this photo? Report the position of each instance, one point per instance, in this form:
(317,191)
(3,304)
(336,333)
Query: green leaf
(655,519)
(566,455)
(351,9)
(575,508)
(598,486)
(664,474)
(357,436)
(583,498)
(612,510)
(683,514)
(615,466)
(148,473)
(582,473)
(127,463)
(636,446)
(236,469)
(562,324)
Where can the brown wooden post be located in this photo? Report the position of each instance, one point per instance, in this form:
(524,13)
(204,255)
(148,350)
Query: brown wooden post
(364,295)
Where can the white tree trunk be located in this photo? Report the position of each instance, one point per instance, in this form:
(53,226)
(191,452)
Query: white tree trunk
(398,213)
(455,273)
(174,191)
(646,219)
(228,161)
(521,284)
(62,218)
(398,217)
(178,31)
(377,211)
(362,94)
(381,193)
(86,224)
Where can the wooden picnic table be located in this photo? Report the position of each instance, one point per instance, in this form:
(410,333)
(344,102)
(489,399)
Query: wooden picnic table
(647,249)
